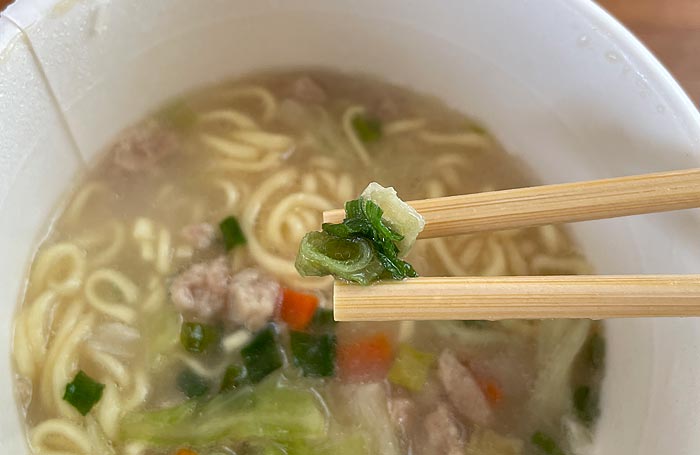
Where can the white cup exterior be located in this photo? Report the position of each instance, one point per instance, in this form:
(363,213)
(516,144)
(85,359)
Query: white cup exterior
(559,82)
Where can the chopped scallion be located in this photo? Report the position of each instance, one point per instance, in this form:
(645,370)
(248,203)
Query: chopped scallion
(368,129)
(586,404)
(83,392)
(546,444)
(234,377)
(261,356)
(191,384)
(232,233)
(314,354)
(199,338)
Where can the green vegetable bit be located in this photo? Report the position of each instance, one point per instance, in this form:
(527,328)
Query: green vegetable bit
(368,129)
(191,384)
(322,321)
(411,367)
(596,351)
(362,249)
(178,115)
(314,354)
(199,338)
(235,376)
(232,233)
(261,356)
(268,411)
(586,404)
(546,444)
(83,392)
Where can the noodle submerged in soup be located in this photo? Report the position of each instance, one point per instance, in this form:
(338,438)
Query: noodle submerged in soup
(164,315)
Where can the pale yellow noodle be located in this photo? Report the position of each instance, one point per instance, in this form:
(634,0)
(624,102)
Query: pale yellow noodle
(63,430)
(446,258)
(264,140)
(108,410)
(66,327)
(345,189)
(38,324)
(140,389)
(52,261)
(232,195)
(495,264)
(63,366)
(552,239)
(164,254)
(360,150)
(232,116)
(198,367)
(470,140)
(114,245)
(117,281)
(229,148)
(289,204)
(89,190)
(24,359)
(97,437)
(471,251)
(309,183)
(115,369)
(282,268)
(404,126)
(266,98)
(269,161)
(544,264)
(324,162)
(517,263)
(155,299)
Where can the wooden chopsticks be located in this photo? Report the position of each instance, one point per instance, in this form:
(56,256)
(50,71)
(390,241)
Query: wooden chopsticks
(549,204)
(594,297)
(516,297)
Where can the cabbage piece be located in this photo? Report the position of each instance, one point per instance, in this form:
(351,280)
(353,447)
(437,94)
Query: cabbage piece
(400,216)
(366,406)
(488,442)
(268,411)
(558,344)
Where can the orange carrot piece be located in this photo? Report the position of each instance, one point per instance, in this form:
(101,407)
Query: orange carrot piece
(365,359)
(491,389)
(185,452)
(297,308)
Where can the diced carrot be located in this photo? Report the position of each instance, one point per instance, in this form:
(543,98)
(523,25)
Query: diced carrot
(492,390)
(185,452)
(297,308)
(365,359)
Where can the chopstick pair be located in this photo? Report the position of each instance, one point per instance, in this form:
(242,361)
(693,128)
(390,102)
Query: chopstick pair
(533,297)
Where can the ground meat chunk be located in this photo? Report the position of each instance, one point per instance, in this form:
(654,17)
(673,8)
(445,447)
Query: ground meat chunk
(209,292)
(402,412)
(142,147)
(201,292)
(463,390)
(252,298)
(443,435)
(200,235)
(307,90)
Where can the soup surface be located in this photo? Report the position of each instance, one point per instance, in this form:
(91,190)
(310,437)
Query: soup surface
(163,313)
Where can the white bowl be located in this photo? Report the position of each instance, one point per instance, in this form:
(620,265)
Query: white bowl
(559,82)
